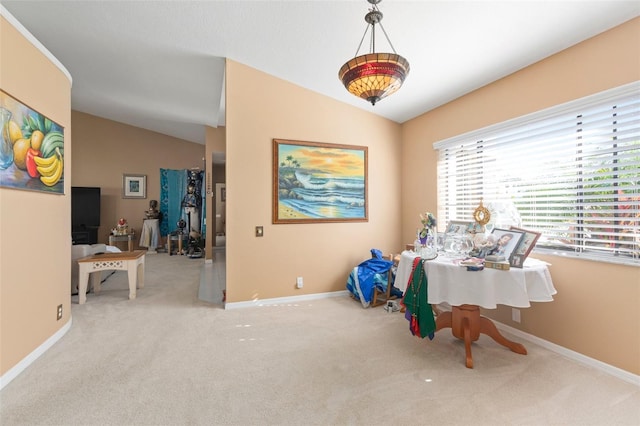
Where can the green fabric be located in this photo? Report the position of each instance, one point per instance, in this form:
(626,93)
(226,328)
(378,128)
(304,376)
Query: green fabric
(415,300)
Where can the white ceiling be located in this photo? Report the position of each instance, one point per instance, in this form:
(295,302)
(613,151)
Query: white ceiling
(159,65)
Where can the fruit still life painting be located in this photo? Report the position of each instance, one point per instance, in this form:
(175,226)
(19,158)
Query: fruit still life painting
(31,150)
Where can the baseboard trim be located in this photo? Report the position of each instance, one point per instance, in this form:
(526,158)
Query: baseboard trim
(35,354)
(281,300)
(573,355)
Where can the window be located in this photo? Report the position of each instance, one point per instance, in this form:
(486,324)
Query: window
(571,171)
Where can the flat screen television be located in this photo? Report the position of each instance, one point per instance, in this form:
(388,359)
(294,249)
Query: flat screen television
(85,207)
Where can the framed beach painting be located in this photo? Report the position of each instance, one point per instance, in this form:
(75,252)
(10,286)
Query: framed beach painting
(31,149)
(317,182)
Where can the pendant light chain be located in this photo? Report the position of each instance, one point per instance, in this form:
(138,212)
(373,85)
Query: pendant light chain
(387,37)
(366,30)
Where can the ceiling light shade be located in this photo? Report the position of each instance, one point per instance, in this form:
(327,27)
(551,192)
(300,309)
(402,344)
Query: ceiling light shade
(374,76)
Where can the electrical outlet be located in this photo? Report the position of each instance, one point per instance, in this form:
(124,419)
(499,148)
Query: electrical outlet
(59,313)
(515,314)
(299,282)
(259,231)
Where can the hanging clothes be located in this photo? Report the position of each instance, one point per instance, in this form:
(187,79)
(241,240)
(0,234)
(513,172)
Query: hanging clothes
(418,309)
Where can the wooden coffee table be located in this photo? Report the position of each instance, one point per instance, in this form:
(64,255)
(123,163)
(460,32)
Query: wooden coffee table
(130,261)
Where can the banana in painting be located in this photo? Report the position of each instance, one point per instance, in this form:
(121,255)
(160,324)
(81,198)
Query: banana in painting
(31,150)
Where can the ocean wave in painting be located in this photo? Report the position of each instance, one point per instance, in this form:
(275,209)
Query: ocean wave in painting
(328,196)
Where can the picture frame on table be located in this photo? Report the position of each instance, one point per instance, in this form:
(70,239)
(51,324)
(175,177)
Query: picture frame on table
(526,245)
(506,242)
(458,226)
(134,186)
(475,228)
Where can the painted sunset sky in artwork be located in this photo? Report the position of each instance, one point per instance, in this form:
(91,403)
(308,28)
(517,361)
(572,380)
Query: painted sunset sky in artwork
(336,162)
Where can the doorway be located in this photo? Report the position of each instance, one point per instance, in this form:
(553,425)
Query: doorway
(220,214)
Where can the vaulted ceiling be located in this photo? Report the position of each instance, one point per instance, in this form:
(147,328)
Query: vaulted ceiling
(159,65)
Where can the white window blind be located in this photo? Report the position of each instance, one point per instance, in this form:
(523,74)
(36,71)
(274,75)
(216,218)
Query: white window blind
(572,172)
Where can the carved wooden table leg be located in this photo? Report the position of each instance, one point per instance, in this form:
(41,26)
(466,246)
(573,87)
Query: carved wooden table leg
(466,327)
(467,324)
(489,328)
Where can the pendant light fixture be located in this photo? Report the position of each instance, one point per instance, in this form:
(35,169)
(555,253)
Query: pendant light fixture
(374,76)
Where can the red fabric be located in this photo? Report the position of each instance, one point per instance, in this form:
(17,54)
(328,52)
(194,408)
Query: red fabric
(413,268)
(414,326)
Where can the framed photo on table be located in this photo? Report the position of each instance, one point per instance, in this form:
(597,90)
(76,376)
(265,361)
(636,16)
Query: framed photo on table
(458,226)
(525,246)
(506,242)
(134,186)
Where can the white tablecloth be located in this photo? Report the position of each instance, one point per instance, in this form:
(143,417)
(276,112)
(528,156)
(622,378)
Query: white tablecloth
(150,235)
(453,284)
(404,270)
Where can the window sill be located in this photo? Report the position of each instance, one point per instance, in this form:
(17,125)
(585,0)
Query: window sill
(589,256)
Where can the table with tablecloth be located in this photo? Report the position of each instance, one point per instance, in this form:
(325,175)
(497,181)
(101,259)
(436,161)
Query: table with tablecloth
(466,291)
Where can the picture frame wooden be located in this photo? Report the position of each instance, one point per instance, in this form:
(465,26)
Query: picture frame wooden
(316,182)
(134,186)
(526,245)
(458,226)
(506,242)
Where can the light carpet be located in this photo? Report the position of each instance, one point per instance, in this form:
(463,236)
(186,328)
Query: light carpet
(168,358)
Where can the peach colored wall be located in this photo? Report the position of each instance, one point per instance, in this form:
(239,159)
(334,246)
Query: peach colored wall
(35,243)
(103,150)
(260,108)
(597,309)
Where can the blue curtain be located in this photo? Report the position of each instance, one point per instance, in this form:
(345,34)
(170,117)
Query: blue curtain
(173,187)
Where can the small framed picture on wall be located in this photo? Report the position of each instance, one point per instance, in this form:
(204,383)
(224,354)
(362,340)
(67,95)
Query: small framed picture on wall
(134,186)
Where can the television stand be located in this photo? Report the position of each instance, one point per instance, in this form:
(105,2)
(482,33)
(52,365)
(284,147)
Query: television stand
(84,236)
